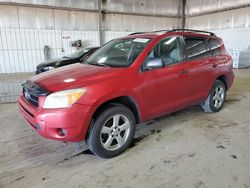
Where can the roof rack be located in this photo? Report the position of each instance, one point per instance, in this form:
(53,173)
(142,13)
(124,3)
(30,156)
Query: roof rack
(175,30)
(144,32)
(192,30)
(162,30)
(136,33)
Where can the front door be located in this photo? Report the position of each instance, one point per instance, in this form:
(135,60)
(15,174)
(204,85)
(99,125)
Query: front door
(165,88)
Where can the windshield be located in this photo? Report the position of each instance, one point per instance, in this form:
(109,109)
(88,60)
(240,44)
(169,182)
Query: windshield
(77,53)
(119,52)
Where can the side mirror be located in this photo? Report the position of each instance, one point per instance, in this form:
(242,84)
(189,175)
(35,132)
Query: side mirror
(154,63)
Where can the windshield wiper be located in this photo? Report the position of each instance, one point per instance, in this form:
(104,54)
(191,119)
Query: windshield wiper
(67,57)
(97,64)
(104,65)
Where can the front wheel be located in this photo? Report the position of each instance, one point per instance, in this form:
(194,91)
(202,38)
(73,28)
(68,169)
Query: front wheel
(111,132)
(216,98)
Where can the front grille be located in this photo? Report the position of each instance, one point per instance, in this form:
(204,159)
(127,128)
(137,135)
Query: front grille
(32,91)
(30,96)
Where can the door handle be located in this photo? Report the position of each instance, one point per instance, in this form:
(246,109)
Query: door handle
(214,65)
(184,71)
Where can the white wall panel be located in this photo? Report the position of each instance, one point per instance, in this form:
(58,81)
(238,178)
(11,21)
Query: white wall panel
(26,30)
(26,1)
(90,21)
(89,4)
(80,4)
(61,18)
(194,7)
(238,18)
(117,22)
(109,35)
(8,17)
(27,17)
(76,3)
(40,18)
(234,37)
(232,27)
(170,7)
(45,18)
(22,49)
(61,3)
(44,2)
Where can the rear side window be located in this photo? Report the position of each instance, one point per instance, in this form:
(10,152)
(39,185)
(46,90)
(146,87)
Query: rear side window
(214,46)
(196,47)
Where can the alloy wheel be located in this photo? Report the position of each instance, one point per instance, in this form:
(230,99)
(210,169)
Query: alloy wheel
(218,97)
(115,132)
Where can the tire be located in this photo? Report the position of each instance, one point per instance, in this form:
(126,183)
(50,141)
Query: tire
(111,132)
(216,98)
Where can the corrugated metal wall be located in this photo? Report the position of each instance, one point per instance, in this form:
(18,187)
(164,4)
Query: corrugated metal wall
(117,22)
(28,25)
(232,24)
(154,7)
(25,29)
(79,4)
(228,19)
(196,7)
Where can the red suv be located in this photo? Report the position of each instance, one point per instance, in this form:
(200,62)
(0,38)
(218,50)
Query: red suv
(127,81)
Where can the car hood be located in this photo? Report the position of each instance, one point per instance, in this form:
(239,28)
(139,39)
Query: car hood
(52,62)
(74,76)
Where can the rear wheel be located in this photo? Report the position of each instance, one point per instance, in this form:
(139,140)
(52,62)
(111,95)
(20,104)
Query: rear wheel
(216,98)
(112,131)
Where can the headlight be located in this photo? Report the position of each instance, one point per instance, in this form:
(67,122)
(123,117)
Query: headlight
(48,68)
(63,99)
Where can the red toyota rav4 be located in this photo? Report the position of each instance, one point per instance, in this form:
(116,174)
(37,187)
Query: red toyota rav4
(127,81)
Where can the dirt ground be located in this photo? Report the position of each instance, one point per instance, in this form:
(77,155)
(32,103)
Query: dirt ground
(189,149)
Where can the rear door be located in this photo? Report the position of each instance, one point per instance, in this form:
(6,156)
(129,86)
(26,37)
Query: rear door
(215,47)
(199,66)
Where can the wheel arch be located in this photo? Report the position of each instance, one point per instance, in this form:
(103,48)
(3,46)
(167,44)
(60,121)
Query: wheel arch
(127,101)
(224,79)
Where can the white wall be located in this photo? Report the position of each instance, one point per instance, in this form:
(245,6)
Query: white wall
(229,19)
(24,31)
(22,49)
(232,25)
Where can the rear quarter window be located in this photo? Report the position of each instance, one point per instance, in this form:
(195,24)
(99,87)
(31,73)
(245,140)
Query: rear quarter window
(214,46)
(196,47)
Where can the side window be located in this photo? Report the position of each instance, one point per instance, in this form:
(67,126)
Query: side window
(169,50)
(196,47)
(214,46)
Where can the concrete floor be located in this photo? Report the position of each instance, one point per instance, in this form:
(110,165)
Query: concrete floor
(189,148)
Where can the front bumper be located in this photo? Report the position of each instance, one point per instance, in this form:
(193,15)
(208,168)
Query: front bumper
(49,123)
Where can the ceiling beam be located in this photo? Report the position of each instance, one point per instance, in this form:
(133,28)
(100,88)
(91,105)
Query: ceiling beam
(139,14)
(100,23)
(183,14)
